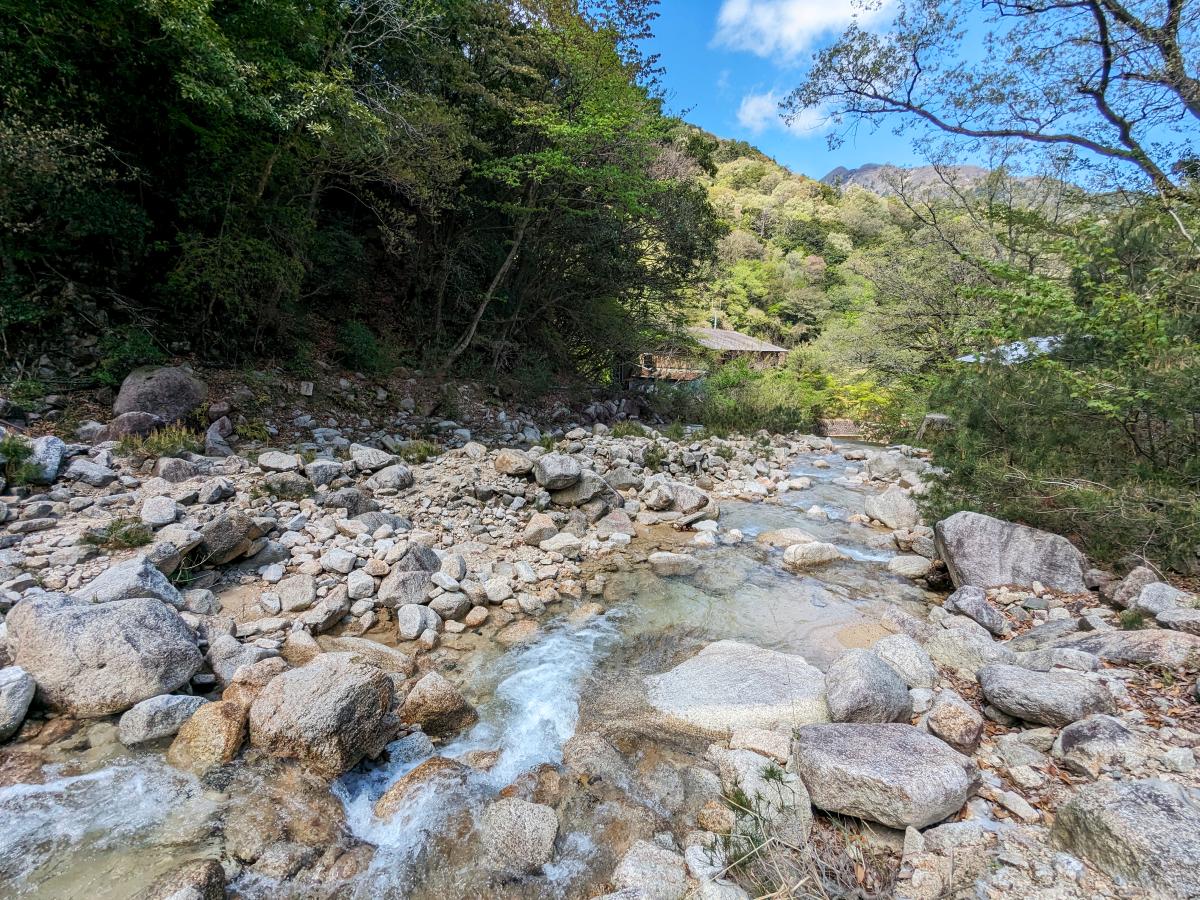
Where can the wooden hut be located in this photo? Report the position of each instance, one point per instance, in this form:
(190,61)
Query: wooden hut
(727,345)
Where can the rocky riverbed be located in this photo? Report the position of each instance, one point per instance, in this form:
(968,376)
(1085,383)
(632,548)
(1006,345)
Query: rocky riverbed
(570,663)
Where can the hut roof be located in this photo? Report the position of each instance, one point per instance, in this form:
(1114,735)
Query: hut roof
(720,339)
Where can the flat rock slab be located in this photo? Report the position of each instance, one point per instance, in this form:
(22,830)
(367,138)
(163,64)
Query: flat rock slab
(133,578)
(985,552)
(1147,832)
(1173,649)
(893,774)
(731,685)
(1047,698)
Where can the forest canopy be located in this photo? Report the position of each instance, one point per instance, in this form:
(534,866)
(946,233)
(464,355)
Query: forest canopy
(462,180)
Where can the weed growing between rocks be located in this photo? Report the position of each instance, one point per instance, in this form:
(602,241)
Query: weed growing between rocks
(15,454)
(173,440)
(254,430)
(674,431)
(26,390)
(417,452)
(120,534)
(836,862)
(628,429)
(653,457)
(1132,619)
(191,567)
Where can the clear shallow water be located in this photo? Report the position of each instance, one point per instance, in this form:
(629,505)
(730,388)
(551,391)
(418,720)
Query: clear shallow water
(740,592)
(100,834)
(106,833)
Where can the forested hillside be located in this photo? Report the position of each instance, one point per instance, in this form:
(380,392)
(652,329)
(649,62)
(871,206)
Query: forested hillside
(458,182)
(491,191)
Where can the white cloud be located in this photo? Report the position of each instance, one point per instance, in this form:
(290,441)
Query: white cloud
(787,28)
(808,121)
(760,112)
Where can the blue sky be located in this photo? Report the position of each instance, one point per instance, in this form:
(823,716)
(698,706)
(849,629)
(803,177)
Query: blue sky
(730,62)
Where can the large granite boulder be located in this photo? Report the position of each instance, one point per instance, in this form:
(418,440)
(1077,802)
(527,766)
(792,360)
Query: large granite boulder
(955,721)
(965,652)
(212,737)
(588,487)
(513,462)
(861,687)
(650,872)
(555,471)
(410,578)
(413,619)
(973,603)
(893,774)
(907,659)
(397,477)
(46,456)
(136,577)
(894,508)
(1047,698)
(730,685)
(165,391)
(435,776)
(1145,832)
(328,714)
(226,654)
(1094,743)
(227,537)
(138,424)
(94,660)
(437,706)
(156,718)
(985,552)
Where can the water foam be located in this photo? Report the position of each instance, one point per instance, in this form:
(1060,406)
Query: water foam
(533,712)
(118,806)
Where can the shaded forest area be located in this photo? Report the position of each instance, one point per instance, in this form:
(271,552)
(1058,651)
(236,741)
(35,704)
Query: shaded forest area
(460,183)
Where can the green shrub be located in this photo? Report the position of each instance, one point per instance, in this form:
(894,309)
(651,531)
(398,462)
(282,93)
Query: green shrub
(26,391)
(674,431)
(359,349)
(738,398)
(173,440)
(124,349)
(628,429)
(15,452)
(1132,619)
(254,430)
(1026,449)
(417,452)
(121,534)
(653,456)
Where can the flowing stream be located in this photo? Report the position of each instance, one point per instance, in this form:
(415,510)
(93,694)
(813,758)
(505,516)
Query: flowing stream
(99,833)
